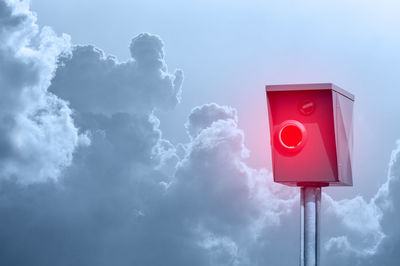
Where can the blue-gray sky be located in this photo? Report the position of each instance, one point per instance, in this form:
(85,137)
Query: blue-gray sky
(122,160)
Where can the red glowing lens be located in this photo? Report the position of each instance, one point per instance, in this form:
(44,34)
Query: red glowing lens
(291,136)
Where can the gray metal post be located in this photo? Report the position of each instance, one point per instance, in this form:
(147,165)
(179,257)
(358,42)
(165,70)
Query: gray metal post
(310,204)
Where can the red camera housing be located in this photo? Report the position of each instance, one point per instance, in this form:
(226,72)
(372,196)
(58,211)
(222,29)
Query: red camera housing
(311,128)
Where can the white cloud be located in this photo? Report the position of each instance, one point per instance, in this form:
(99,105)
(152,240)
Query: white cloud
(369,227)
(37,134)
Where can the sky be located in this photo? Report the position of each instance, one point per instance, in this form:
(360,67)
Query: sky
(135,132)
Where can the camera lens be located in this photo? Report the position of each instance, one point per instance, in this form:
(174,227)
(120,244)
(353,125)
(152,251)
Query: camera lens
(307,107)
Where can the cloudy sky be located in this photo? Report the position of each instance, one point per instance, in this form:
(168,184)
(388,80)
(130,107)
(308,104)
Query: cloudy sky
(135,132)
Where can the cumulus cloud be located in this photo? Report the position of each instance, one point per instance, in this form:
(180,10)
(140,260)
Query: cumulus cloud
(203,116)
(361,221)
(37,134)
(131,197)
(108,202)
(94,82)
(369,234)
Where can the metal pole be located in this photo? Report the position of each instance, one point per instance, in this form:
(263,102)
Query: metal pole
(310,204)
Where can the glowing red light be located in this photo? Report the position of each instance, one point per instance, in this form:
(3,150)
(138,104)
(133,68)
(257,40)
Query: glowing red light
(291,136)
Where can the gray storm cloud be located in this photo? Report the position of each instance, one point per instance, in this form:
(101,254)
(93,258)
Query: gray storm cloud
(124,194)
